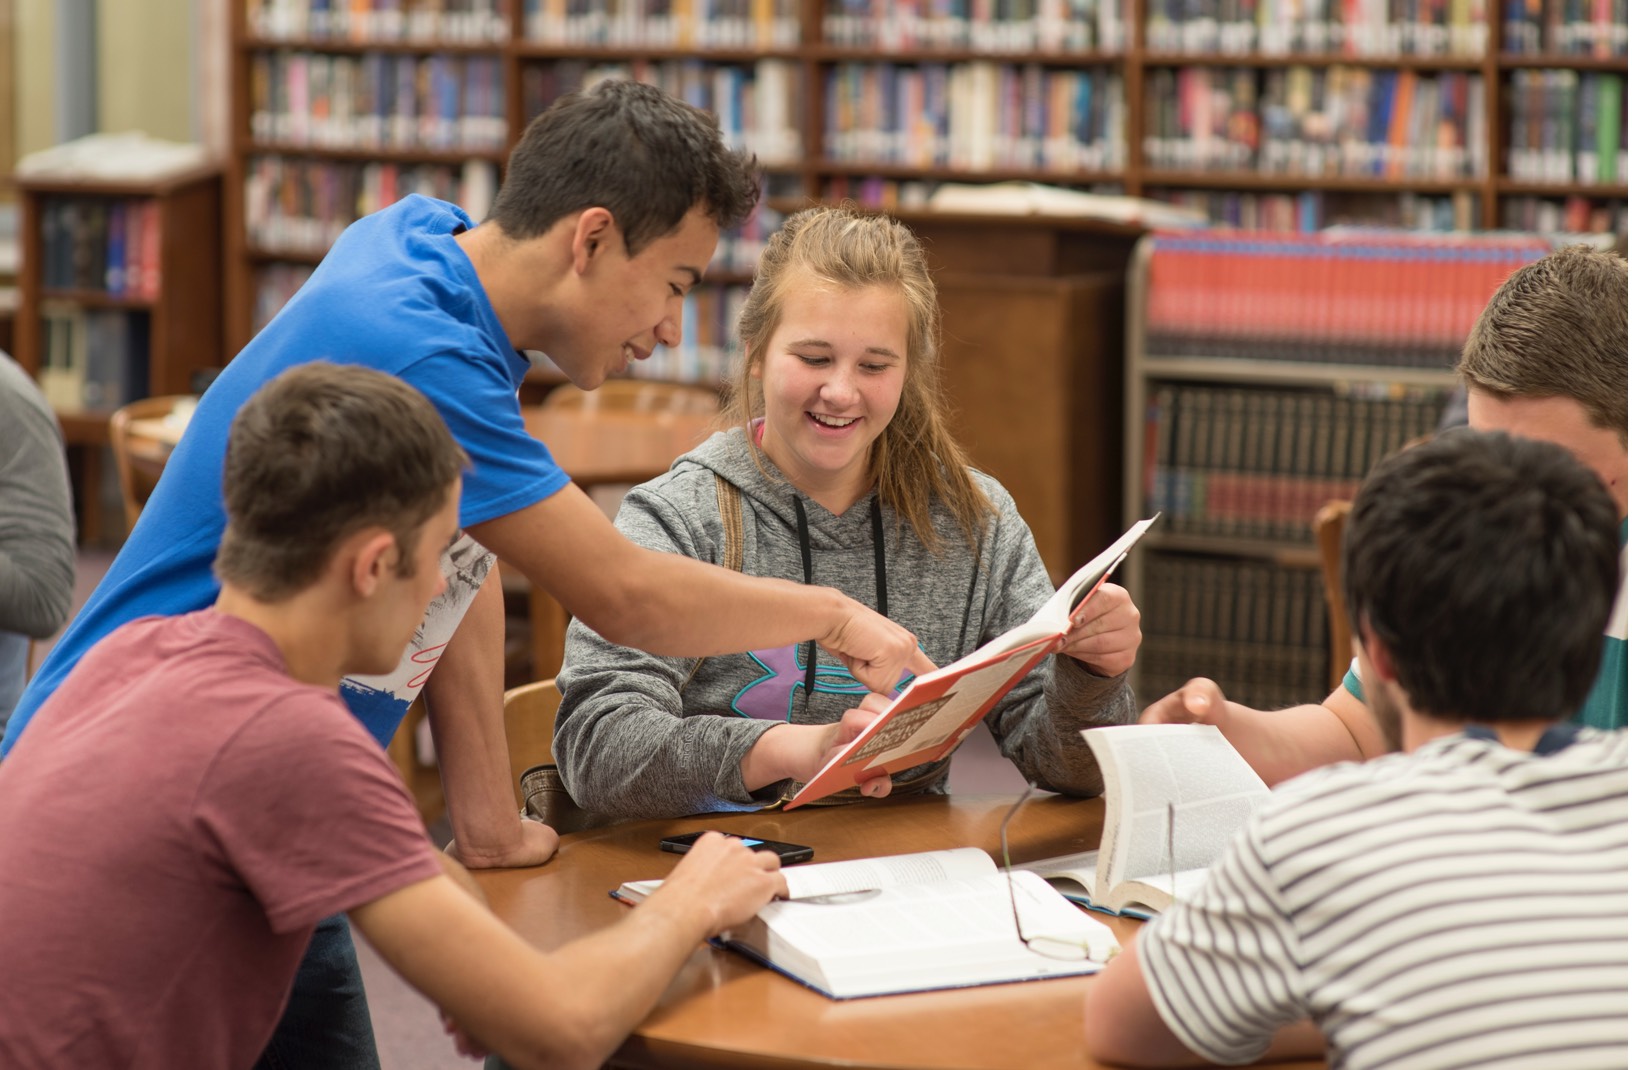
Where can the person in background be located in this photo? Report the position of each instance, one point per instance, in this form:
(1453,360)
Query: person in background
(1546,360)
(36,528)
(609,214)
(843,471)
(1463,903)
(199,798)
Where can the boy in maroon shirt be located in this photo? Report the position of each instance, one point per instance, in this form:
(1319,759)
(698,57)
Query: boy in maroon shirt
(196,797)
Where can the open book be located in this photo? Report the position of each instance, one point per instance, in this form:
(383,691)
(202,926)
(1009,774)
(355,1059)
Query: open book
(1138,870)
(908,923)
(929,719)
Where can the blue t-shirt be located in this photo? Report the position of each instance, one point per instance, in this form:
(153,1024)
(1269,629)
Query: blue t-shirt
(395,293)
(1605,707)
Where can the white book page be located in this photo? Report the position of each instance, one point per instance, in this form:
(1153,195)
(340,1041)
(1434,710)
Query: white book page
(863,874)
(923,928)
(1054,616)
(1069,874)
(1180,886)
(1211,787)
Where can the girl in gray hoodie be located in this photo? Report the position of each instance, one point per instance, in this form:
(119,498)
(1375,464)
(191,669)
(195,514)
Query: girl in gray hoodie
(842,472)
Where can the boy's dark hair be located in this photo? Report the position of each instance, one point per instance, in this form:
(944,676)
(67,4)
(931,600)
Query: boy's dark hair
(1487,565)
(1556,328)
(319,453)
(631,149)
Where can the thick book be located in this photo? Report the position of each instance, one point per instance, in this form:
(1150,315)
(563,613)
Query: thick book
(1175,795)
(911,923)
(928,720)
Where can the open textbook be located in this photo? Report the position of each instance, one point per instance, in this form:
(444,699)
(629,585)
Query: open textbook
(908,923)
(1146,767)
(929,719)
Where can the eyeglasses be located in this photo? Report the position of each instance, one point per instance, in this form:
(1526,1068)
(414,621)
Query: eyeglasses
(1067,948)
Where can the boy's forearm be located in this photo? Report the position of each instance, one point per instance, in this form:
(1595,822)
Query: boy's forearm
(465,700)
(1281,744)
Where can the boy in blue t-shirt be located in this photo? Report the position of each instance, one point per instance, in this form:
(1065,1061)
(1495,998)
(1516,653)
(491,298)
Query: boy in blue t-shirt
(1546,360)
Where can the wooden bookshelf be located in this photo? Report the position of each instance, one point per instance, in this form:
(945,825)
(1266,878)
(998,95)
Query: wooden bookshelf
(992,266)
(1239,452)
(813,58)
(182,315)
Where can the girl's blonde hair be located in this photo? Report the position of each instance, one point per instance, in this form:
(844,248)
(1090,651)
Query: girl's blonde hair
(916,459)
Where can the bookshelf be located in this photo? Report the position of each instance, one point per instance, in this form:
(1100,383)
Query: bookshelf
(1268,114)
(1351,342)
(119,299)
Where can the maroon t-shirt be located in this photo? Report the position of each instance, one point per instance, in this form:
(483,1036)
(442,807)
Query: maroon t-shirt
(175,821)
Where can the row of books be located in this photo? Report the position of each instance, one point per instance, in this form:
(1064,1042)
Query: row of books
(1382,28)
(664,23)
(1565,215)
(1571,27)
(976,116)
(377,100)
(1350,121)
(92,359)
(1567,127)
(1361,297)
(110,245)
(1063,26)
(297,205)
(758,104)
(466,21)
(1313,210)
(1257,630)
(1352,27)
(275,284)
(1255,463)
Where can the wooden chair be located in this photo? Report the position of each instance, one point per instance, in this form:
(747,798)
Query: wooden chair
(422,778)
(142,435)
(637,395)
(529,727)
(1329,522)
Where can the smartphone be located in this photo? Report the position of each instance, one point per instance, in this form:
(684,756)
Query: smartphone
(789,853)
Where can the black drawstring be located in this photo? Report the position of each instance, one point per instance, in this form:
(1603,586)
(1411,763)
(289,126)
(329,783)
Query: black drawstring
(804,552)
(879,582)
(878,560)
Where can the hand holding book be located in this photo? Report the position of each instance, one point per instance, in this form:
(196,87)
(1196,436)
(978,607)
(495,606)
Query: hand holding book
(1104,632)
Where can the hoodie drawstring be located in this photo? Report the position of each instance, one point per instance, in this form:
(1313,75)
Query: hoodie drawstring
(881,587)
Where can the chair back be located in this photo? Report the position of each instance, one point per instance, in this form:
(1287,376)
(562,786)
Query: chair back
(638,395)
(529,727)
(1329,522)
(142,436)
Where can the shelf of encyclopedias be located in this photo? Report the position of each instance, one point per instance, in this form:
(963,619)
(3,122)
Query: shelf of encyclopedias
(119,299)
(1266,113)
(1266,375)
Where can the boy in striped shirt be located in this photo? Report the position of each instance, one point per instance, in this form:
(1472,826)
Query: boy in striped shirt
(1463,903)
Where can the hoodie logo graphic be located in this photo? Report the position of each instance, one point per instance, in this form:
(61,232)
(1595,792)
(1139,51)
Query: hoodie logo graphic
(770,697)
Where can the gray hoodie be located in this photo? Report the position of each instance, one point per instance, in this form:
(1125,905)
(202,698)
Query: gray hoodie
(645,736)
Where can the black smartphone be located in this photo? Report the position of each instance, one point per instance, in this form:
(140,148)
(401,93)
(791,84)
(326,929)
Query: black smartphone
(789,853)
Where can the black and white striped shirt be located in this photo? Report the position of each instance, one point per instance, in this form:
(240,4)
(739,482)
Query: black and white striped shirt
(1463,905)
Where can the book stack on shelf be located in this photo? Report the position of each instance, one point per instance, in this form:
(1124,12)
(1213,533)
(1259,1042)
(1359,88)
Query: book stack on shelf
(1266,376)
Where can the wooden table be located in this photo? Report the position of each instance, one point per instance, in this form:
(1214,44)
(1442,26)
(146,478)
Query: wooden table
(602,447)
(724,1012)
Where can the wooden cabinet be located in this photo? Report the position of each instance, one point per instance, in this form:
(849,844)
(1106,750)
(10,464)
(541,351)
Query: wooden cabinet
(119,299)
